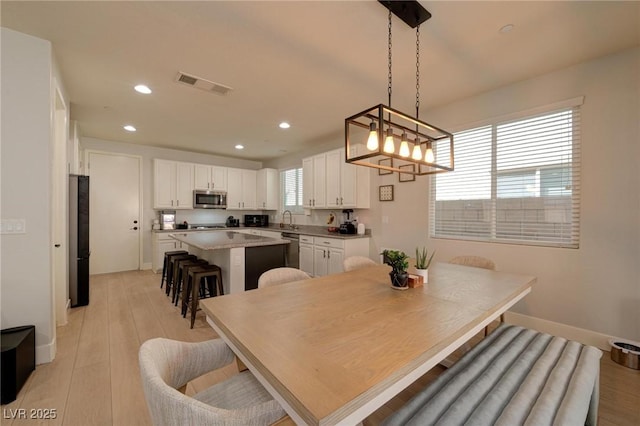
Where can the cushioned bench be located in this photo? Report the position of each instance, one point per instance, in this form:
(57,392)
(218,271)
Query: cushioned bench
(514,376)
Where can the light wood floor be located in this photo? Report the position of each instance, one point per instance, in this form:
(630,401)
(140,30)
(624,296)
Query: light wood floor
(95,379)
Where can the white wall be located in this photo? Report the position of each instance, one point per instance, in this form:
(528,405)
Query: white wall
(26,281)
(595,287)
(148,153)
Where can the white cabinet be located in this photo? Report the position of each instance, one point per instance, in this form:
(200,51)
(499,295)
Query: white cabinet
(267,189)
(347,185)
(313,181)
(306,254)
(210,178)
(241,189)
(330,182)
(162,243)
(324,256)
(173,184)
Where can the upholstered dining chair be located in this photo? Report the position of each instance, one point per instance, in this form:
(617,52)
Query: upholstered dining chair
(167,365)
(352,263)
(281,276)
(477,262)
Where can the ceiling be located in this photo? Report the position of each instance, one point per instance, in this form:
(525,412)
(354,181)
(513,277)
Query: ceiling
(310,63)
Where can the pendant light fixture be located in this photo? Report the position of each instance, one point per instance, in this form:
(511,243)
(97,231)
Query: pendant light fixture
(371,135)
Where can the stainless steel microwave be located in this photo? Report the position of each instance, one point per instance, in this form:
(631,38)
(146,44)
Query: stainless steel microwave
(209,199)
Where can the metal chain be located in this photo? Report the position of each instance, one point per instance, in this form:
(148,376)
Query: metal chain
(389,75)
(417,71)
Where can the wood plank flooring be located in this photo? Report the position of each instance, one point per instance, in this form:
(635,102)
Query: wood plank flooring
(95,379)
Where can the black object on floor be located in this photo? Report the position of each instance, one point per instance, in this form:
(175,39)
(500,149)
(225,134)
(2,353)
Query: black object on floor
(18,359)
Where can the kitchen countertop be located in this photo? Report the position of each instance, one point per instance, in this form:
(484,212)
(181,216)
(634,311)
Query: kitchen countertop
(316,231)
(223,239)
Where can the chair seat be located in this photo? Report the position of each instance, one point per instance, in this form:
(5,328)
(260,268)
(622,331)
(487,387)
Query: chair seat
(240,391)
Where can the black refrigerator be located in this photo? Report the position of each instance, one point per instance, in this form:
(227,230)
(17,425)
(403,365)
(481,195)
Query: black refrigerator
(79,240)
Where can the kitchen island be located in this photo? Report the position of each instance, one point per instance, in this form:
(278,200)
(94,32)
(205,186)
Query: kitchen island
(242,257)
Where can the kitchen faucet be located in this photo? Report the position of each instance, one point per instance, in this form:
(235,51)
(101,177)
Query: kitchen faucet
(290,219)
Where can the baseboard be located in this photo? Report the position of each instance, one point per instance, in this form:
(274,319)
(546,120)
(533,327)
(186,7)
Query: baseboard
(68,304)
(145,266)
(46,353)
(569,332)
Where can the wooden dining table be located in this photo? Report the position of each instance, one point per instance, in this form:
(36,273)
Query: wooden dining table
(333,349)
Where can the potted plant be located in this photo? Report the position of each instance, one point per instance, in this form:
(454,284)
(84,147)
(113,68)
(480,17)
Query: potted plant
(423,260)
(399,264)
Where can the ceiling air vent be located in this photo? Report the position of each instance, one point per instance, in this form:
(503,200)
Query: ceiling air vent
(202,84)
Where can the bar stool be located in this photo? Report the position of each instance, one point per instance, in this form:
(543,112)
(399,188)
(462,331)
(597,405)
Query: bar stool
(185,294)
(171,269)
(181,274)
(195,288)
(165,264)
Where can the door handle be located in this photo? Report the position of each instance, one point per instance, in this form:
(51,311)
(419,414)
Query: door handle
(135,228)
(56,245)
(135,221)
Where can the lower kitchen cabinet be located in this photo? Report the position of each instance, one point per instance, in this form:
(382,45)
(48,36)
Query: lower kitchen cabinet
(324,255)
(162,243)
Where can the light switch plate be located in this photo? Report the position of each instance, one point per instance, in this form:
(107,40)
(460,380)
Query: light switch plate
(13,226)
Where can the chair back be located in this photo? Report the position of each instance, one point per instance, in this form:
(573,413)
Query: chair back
(475,261)
(281,276)
(356,262)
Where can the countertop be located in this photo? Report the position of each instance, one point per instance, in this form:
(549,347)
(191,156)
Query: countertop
(316,231)
(223,239)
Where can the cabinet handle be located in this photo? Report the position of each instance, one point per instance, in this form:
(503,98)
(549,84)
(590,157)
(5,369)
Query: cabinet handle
(329,254)
(243,204)
(177,203)
(324,253)
(341,203)
(337,201)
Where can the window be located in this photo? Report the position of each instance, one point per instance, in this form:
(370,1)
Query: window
(291,190)
(515,181)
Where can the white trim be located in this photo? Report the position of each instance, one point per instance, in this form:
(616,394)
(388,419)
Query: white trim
(586,337)
(500,119)
(46,353)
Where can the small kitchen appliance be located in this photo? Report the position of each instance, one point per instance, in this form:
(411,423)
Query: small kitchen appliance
(348,227)
(209,199)
(167,219)
(260,220)
(232,222)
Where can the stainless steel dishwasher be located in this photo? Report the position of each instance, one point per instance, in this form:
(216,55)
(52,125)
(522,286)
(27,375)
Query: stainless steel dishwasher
(292,257)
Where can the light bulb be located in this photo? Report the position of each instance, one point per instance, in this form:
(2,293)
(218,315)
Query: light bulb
(389,147)
(428,155)
(372,142)
(404,146)
(417,152)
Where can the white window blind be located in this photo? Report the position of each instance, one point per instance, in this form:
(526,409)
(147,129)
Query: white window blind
(515,181)
(291,190)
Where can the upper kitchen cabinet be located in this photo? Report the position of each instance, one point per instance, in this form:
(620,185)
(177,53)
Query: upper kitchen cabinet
(314,181)
(347,185)
(173,185)
(329,182)
(267,189)
(210,178)
(241,189)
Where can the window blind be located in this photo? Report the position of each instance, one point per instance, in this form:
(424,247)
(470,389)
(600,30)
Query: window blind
(515,181)
(291,185)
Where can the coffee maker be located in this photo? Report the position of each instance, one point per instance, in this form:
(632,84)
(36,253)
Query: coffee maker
(348,227)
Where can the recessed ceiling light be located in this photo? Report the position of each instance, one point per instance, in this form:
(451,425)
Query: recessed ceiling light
(506,28)
(239,146)
(284,125)
(141,88)
(129,128)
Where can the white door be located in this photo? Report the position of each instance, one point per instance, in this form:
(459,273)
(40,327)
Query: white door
(114,212)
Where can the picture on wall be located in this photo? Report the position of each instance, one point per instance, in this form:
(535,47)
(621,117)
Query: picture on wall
(407,177)
(385,162)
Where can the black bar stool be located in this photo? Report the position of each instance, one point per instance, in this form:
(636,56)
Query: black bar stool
(196,288)
(165,264)
(172,267)
(180,276)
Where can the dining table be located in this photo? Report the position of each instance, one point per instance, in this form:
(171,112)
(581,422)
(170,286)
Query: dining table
(333,349)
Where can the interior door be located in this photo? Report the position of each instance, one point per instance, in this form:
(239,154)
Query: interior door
(114,212)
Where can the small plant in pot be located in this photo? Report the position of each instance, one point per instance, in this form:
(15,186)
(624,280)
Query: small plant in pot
(423,260)
(399,264)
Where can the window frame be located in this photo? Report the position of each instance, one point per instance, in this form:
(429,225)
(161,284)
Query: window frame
(298,208)
(560,239)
